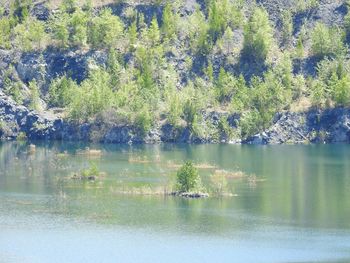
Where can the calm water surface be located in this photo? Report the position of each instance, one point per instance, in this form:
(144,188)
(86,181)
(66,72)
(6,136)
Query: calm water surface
(297,208)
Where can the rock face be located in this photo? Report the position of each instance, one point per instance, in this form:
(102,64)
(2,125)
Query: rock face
(16,119)
(316,126)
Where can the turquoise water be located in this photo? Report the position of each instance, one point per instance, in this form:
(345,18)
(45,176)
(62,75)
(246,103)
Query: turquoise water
(295,209)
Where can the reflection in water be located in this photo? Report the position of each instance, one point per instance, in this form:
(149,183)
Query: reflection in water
(298,193)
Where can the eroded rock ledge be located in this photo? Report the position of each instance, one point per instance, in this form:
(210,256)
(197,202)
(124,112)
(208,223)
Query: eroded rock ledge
(315,126)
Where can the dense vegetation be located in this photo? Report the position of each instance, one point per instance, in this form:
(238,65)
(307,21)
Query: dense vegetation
(187,178)
(234,58)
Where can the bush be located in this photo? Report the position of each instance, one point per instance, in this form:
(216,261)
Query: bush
(187,178)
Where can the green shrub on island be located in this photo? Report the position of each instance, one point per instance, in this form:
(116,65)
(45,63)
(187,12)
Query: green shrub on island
(91,173)
(187,178)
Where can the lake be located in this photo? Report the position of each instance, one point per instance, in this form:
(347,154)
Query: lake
(291,205)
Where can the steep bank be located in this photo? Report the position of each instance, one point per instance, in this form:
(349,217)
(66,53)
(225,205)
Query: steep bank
(314,126)
(189,71)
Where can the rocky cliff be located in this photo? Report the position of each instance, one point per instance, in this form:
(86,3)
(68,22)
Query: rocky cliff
(315,126)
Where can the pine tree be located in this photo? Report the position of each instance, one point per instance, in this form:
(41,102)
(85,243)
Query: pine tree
(257,36)
(168,25)
(153,32)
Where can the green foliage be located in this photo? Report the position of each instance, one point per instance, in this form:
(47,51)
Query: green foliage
(61,91)
(260,102)
(340,89)
(78,28)
(209,72)
(257,36)
(22,136)
(34,95)
(303,5)
(5,32)
(152,73)
(225,128)
(332,83)
(187,178)
(11,87)
(132,35)
(223,14)
(217,19)
(105,30)
(93,96)
(30,35)
(287,27)
(114,68)
(327,41)
(20,9)
(168,27)
(59,25)
(143,121)
(91,172)
(153,33)
(69,6)
(227,85)
(190,114)
(198,33)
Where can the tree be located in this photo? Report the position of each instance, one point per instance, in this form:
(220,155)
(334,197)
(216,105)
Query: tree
(198,33)
(5,32)
(190,113)
(59,25)
(225,85)
(168,22)
(114,68)
(105,30)
(30,35)
(187,178)
(78,28)
(34,95)
(69,6)
(227,41)
(340,89)
(153,32)
(61,92)
(132,34)
(20,9)
(217,18)
(257,36)
(287,27)
(327,41)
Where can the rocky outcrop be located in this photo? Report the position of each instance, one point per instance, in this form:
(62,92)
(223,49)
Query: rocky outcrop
(315,126)
(16,119)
